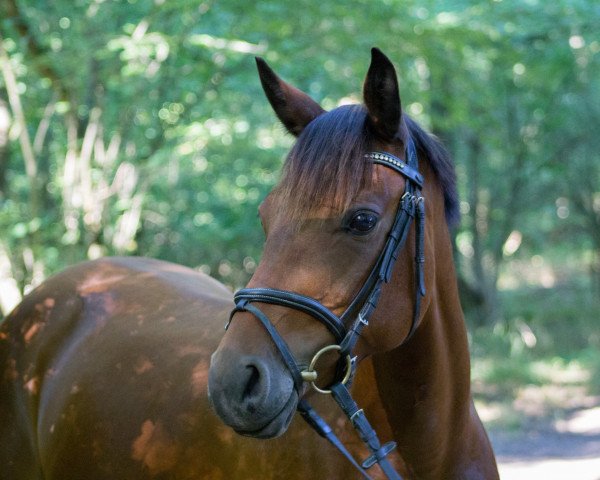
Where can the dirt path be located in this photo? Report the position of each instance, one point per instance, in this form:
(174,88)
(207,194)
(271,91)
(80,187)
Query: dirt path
(565,449)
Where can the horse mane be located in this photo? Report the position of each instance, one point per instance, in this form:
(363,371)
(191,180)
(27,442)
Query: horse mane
(442,165)
(326,165)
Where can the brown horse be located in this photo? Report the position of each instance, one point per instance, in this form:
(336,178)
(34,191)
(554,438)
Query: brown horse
(104,368)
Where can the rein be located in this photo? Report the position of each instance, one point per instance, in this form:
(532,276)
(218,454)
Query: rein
(411,207)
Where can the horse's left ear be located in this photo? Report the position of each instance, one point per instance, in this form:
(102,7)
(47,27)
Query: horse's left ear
(294,108)
(382,97)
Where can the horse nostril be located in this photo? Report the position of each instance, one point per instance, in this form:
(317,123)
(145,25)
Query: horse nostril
(241,388)
(251,387)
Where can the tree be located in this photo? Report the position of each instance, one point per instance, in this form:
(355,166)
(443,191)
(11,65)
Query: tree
(139,127)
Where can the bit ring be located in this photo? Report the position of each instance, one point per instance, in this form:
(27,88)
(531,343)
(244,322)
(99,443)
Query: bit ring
(310,374)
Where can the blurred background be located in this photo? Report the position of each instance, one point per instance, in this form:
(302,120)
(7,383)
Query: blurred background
(139,127)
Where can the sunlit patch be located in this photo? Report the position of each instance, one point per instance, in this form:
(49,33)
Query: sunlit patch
(583,422)
(32,386)
(142,365)
(98,282)
(155,448)
(200,379)
(186,350)
(225,434)
(32,331)
(512,243)
(576,42)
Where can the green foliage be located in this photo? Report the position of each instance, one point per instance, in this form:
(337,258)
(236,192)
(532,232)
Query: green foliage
(152,137)
(546,352)
(526,394)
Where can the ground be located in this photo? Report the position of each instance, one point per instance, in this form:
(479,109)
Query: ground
(547,432)
(564,449)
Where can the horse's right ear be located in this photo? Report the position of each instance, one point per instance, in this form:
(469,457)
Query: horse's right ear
(294,108)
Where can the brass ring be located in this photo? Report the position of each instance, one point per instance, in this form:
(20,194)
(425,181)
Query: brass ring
(310,374)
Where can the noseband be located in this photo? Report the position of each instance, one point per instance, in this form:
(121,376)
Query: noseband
(357,315)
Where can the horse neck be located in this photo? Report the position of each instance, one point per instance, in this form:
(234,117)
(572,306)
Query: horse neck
(424,385)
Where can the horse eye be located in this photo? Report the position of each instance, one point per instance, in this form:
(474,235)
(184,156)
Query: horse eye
(362,223)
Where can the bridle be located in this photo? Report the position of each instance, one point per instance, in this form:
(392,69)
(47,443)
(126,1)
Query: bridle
(358,313)
(411,207)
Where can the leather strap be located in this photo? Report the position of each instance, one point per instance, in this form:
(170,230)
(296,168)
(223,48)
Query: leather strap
(365,431)
(280,343)
(296,301)
(322,428)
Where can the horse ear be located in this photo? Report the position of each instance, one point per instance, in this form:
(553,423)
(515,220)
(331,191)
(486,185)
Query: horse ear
(382,97)
(294,108)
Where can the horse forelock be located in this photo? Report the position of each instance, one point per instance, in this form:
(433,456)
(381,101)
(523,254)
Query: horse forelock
(327,164)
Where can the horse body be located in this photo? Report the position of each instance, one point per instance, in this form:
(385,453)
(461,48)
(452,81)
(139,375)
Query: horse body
(103,373)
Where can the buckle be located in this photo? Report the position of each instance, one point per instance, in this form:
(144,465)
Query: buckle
(373,459)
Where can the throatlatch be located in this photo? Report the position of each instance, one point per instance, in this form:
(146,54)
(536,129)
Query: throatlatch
(357,315)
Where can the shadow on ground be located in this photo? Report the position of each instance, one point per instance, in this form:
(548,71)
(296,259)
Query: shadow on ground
(567,448)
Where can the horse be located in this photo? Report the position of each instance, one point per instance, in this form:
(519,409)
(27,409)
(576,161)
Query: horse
(120,367)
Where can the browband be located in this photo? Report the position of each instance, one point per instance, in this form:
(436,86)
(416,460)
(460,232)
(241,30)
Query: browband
(393,162)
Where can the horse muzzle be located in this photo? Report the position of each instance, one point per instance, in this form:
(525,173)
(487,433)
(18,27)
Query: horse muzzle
(253,396)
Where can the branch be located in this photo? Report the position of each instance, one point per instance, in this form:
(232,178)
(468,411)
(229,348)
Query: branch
(5,122)
(14,100)
(43,126)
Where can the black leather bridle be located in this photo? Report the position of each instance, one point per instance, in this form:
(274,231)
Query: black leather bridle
(411,207)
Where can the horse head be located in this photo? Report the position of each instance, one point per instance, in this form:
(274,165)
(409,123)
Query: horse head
(328,225)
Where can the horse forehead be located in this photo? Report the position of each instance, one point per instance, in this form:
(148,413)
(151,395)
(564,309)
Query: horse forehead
(385,185)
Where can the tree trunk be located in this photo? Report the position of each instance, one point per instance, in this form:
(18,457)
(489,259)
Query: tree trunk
(4,150)
(485,280)
(14,99)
